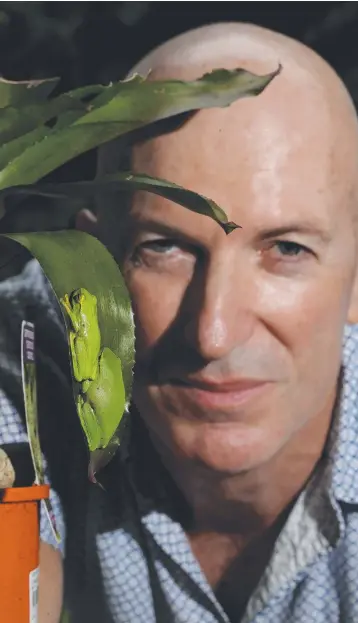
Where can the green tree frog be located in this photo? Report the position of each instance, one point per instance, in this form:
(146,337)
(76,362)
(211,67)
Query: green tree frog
(101,401)
(84,335)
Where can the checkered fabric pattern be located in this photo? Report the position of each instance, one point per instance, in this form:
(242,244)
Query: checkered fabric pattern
(148,572)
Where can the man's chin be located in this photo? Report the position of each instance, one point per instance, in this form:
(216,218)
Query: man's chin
(223,442)
(225,447)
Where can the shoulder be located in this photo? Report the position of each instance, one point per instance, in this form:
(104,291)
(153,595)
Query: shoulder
(27,288)
(25,296)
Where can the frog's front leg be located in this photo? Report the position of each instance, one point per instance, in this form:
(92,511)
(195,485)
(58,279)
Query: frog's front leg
(75,365)
(65,302)
(89,423)
(85,385)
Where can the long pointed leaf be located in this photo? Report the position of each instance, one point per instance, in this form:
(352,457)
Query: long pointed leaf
(144,101)
(131,182)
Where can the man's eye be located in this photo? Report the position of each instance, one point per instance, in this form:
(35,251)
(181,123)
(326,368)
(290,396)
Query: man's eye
(161,245)
(287,248)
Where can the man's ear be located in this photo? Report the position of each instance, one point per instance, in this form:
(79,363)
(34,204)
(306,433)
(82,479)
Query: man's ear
(87,221)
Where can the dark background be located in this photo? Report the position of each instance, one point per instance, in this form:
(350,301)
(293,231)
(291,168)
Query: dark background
(89,42)
(86,42)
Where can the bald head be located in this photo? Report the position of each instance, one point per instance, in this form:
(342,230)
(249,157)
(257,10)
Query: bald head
(305,118)
(226,44)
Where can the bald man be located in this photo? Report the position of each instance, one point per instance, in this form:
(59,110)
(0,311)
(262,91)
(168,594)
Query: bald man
(235,497)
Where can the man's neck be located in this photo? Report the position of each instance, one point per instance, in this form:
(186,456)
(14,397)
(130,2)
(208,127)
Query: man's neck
(235,520)
(232,522)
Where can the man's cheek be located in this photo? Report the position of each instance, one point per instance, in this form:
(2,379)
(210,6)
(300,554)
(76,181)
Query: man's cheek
(153,315)
(317,349)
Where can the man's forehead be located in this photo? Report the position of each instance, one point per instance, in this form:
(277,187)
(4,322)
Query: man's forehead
(271,162)
(261,132)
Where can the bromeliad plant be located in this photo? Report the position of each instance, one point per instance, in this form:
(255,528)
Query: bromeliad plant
(39,133)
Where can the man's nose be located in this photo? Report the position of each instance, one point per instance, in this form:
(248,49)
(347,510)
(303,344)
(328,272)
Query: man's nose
(222,317)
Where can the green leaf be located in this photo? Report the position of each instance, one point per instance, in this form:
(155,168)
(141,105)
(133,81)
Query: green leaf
(142,101)
(73,260)
(9,151)
(123,107)
(130,182)
(16,120)
(14,93)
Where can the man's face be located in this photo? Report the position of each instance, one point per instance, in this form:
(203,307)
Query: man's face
(239,336)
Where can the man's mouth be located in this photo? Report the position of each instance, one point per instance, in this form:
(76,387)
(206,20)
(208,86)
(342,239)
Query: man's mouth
(222,395)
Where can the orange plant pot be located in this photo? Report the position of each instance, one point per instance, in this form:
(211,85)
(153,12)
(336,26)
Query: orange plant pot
(19,552)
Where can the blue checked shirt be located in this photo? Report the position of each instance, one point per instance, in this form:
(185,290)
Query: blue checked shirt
(134,558)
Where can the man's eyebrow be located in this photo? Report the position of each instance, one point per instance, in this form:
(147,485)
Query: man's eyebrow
(153,225)
(308,229)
